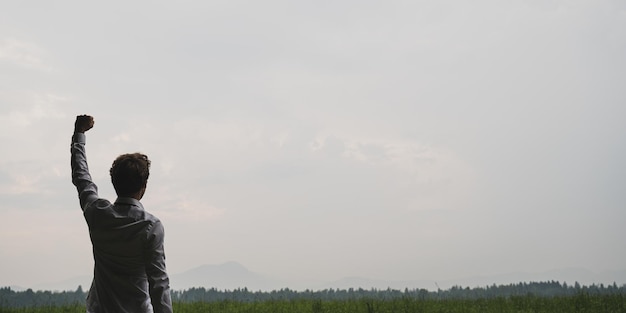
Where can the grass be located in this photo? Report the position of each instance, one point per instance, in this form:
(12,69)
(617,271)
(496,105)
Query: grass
(615,303)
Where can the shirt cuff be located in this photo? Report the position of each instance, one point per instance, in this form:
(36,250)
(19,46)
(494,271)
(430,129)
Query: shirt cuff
(79,138)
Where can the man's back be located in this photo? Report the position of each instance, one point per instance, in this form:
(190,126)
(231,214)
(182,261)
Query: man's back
(123,237)
(129,271)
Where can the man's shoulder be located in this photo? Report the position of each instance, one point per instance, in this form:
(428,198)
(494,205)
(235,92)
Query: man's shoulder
(146,218)
(98,204)
(151,217)
(98,212)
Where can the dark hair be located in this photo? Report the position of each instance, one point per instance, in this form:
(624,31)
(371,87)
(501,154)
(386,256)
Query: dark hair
(129,173)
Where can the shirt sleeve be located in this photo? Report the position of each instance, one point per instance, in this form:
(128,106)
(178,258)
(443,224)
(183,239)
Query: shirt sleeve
(158,280)
(87,190)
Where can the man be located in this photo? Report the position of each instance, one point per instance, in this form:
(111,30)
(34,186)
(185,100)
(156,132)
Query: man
(129,271)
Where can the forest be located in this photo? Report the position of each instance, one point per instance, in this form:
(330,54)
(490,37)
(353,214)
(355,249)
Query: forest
(550,289)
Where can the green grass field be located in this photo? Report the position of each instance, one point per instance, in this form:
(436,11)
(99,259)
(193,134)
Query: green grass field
(579,303)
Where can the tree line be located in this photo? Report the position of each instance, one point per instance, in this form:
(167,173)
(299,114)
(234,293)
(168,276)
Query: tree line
(15,299)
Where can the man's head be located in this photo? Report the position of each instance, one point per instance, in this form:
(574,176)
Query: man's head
(129,175)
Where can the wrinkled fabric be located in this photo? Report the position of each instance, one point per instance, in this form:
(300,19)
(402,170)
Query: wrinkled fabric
(129,271)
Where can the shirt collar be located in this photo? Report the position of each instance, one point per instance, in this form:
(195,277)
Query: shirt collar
(128,200)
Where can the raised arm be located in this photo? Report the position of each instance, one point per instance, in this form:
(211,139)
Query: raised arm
(87,190)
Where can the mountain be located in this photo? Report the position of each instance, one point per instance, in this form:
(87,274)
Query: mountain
(233,275)
(70,284)
(230,275)
(366,283)
(567,275)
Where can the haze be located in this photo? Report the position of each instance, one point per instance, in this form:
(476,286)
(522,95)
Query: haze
(396,140)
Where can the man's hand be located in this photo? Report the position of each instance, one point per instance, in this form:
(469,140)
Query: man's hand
(83,123)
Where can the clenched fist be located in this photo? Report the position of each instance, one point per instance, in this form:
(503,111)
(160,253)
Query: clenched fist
(83,123)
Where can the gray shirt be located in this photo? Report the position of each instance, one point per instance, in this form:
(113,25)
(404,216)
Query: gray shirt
(129,271)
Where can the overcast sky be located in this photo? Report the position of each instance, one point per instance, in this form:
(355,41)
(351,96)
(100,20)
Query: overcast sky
(320,139)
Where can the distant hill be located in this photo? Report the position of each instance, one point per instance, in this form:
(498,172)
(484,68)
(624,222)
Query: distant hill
(70,284)
(567,275)
(366,283)
(232,275)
